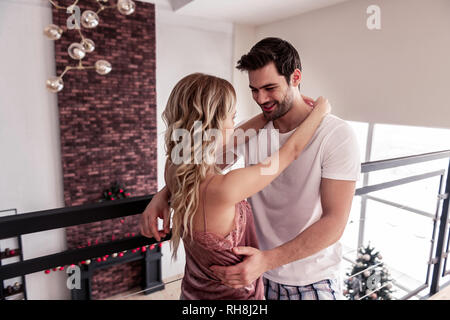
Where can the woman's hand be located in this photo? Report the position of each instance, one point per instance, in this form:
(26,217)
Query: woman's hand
(309,101)
(157,208)
(321,106)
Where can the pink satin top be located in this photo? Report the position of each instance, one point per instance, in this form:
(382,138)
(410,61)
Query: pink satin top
(208,249)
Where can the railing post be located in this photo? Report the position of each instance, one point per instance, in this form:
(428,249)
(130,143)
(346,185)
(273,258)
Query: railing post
(362,215)
(440,246)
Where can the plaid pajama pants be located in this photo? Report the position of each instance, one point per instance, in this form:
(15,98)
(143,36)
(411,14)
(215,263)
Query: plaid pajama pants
(321,290)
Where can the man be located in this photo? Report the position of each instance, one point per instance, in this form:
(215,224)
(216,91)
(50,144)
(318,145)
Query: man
(302,214)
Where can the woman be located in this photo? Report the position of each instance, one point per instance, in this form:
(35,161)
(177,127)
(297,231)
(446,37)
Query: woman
(210,213)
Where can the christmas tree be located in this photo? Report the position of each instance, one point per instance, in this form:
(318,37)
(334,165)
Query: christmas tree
(116,191)
(369,278)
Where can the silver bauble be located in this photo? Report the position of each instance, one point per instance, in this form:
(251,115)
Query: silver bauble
(53,32)
(54,84)
(88,45)
(89,19)
(126,7)
(76,51)
(103,67)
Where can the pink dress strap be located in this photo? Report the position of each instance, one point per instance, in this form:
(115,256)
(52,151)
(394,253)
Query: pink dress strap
(204,197)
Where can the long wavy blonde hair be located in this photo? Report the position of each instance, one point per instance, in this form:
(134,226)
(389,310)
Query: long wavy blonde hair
(203,98)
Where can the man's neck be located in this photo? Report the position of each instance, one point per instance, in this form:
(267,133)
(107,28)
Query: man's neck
(294,117)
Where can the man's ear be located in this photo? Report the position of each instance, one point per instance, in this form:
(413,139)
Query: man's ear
(296,77)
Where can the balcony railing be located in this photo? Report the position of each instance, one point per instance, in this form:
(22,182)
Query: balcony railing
(439,244)
(17,225)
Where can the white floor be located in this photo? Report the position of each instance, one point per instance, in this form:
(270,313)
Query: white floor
(171,291)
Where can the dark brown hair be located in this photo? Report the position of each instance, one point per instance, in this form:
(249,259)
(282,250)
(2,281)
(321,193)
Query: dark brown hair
(279,51)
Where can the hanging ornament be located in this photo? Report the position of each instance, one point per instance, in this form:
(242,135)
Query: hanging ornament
(88,45)
(54,84)
(76,51)
(53,32)
(89,19)
(103,67)
(126,7)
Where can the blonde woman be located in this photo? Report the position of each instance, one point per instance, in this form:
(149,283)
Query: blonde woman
(210,213)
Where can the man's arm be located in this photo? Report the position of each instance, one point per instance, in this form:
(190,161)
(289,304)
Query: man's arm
(336,198)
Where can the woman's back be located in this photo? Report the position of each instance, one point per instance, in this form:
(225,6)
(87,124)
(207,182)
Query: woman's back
(221,219)
(208,248)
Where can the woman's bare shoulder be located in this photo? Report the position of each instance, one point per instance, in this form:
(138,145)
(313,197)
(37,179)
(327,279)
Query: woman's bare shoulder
(215,189)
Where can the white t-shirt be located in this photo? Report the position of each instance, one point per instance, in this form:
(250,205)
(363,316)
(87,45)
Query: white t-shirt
(291,203)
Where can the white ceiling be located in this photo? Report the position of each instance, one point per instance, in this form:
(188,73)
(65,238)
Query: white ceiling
(252,12)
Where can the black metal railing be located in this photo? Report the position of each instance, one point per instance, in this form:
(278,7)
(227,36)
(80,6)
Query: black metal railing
(12,226)
(64,217)
(439,248)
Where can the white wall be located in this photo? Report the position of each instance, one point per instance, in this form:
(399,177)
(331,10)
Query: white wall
(244,38)
(396,75)
(185,45)
(30,161)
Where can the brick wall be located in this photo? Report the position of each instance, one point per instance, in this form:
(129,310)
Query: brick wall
(108,126)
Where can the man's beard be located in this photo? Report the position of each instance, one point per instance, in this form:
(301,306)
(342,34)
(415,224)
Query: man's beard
(281,108)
